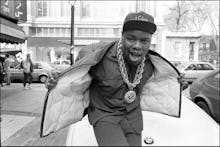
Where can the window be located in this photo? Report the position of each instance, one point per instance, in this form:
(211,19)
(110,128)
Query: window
(39,32)
(65,9)
(35,66)
(57,32)
(85,9)
(68,31)
(207,45)
(51,31)
(191,50)
(191,67)
(63,31)
(42,8)
(116,32)
(98,32)
(33,31)
(199,67)
(45,31)
(204,46)
(177,49)
(205,67)
(86,32)
(40,66)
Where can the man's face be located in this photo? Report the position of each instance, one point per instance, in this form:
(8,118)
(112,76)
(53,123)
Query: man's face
(135,46)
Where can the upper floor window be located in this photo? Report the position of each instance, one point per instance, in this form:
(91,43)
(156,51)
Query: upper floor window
(42,8)
(65,10)
(85,9)
(113,32)
(50,32)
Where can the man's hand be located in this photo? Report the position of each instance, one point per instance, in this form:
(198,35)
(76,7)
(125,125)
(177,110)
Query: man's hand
(51,81)
(180,78)
(182,82)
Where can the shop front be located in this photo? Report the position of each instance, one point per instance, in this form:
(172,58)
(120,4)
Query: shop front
(50,49)
(12,36)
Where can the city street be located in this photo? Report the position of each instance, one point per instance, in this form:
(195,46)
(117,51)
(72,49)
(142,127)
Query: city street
(21,116)
(104,39)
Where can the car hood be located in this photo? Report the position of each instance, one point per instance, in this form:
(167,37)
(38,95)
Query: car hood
(194,127)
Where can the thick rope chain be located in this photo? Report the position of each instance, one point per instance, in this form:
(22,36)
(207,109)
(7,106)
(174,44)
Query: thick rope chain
(139,70)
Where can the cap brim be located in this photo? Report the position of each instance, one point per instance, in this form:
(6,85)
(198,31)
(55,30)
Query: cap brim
(140,25)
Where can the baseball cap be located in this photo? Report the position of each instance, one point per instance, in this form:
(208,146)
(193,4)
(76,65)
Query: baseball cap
(139,21)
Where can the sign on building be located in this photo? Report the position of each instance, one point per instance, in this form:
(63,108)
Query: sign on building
(16,9)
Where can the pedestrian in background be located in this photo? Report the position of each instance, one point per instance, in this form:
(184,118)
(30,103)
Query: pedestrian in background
(27,66)
(1,73)
(6,66)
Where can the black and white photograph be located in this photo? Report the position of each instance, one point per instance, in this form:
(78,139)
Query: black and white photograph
(109,73)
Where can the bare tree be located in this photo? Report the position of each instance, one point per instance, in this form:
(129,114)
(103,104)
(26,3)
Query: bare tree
(191,15)
(174,18)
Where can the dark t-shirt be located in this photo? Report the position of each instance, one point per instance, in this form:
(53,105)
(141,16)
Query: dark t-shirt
(107,92)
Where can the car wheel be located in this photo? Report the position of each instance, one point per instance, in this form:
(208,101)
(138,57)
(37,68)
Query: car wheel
(43,79)
(204,106)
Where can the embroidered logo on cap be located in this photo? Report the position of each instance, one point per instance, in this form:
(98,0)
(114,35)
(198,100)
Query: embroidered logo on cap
(140,17)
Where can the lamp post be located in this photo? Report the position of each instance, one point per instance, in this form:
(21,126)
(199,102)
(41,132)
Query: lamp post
(72,32)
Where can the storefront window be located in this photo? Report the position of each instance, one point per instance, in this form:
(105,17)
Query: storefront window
(39,32)
(51,31)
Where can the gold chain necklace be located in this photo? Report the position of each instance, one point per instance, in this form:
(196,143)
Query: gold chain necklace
(130,95)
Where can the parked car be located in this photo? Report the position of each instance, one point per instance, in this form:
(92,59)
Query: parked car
(40,74)
(194,70)
(206,94)
(193,128)
(61,64)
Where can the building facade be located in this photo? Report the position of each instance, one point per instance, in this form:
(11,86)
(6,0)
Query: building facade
(180,46)
(209,49)
(49,28)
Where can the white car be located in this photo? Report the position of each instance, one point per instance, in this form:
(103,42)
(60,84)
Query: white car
(61,64)
(193,128)
(40,74)
(194,70)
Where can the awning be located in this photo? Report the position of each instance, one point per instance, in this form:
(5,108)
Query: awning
(10,32)
(10,52)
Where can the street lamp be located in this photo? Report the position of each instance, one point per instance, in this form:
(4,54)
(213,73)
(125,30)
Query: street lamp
(72,3)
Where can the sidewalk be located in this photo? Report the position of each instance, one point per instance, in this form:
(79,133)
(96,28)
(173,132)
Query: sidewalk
(21,117)
(15,98)
(30,136)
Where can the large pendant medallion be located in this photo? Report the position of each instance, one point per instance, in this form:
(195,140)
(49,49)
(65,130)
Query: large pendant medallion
(130,96)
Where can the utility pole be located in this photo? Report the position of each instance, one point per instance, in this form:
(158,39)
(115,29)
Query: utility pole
(72,32)
(72,36)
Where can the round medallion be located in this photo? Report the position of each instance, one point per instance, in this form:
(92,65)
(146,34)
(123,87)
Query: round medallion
(130,96)
(149,140)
